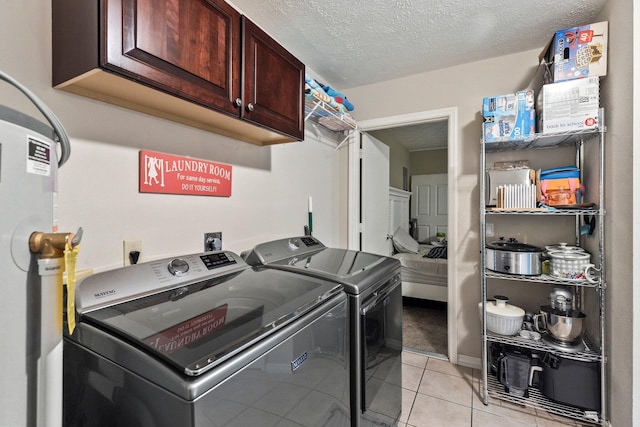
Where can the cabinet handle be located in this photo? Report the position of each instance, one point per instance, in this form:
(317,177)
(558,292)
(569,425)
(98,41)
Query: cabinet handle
(237,102)
(249,107)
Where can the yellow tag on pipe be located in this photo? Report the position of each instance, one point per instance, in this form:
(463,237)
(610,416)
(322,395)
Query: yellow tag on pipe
(70,258)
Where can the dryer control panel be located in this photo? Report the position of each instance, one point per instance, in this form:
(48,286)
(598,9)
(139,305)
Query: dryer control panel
(269,252)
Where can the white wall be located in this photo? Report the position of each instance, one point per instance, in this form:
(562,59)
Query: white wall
(635,377)
(399,158)
(617,98)
(429,161)
(98,185)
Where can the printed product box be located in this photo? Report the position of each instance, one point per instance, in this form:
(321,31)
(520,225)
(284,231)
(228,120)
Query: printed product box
(570,106)
(510,117)
(577,52)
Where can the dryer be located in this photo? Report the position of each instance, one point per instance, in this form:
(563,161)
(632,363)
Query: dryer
(373,287)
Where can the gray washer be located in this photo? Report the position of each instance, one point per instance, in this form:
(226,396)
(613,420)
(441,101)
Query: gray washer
(372,283)
(206,340)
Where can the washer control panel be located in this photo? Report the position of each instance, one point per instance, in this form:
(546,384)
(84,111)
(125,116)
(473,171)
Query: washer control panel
(217,260)
(178,267)
(116,286)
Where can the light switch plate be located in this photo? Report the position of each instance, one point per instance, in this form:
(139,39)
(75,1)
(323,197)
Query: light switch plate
(489,229)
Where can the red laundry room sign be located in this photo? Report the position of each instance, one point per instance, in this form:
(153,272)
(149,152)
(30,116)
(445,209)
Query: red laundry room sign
(169,174)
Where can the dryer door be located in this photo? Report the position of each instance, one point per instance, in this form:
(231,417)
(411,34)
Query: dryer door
(381,322)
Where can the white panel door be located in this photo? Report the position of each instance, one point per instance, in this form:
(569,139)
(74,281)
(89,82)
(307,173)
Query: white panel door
(430,204)
(374,195)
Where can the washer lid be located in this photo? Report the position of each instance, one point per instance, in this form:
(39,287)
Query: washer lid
(358,272)
(199,325)
(340,263)
(355,270)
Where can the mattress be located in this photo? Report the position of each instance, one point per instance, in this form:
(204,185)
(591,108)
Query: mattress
(420,269)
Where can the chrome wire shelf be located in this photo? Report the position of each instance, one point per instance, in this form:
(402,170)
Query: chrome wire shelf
(327,116)
(542,140)
(543,278)
(542,211)
(538,401)
(589,354)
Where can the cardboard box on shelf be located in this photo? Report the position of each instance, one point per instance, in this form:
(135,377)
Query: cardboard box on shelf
(510,117)
(577,52)
(569,106)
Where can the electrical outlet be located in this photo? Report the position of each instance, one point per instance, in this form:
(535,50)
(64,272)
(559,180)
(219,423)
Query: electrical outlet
(213,241)
(129,246)
(489,229)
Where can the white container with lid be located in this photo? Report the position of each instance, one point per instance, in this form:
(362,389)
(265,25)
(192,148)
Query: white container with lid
(569,264)
(502,318)
(562,246)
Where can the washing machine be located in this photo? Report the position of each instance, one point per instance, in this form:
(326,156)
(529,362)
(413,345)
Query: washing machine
(373,287)
(206,340)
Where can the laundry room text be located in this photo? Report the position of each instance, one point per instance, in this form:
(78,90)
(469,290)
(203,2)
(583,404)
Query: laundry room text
(169,174)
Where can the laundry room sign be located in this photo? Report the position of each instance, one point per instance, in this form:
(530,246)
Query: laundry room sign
(169,174)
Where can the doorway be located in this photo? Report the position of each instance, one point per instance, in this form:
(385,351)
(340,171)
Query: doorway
(355,225)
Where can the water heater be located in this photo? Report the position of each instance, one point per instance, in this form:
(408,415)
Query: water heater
(29,163)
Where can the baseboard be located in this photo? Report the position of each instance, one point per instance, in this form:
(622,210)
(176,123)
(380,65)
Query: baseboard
(469,362)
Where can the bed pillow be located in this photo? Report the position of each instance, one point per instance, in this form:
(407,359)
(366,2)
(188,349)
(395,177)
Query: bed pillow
(403,242)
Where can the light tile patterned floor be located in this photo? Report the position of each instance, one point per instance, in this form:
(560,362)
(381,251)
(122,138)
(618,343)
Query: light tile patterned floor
(437,393)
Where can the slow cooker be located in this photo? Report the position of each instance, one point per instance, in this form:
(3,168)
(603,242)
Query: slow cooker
(512,257)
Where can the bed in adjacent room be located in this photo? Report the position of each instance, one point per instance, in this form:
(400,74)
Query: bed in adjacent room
(424,267)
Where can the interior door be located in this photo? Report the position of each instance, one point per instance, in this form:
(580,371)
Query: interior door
(374,195)
(430,204)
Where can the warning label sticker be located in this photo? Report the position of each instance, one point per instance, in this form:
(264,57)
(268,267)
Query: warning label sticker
(39,160)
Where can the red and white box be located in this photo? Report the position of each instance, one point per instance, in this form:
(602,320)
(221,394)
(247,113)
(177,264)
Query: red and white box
(572,105)
(578,52)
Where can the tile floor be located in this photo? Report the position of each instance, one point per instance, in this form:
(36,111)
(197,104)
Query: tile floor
(437,393)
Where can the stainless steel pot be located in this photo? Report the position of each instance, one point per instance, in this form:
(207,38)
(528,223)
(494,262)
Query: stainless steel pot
(513,257)
(564,326)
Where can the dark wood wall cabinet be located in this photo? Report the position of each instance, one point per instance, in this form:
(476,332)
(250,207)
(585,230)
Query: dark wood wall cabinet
(197,62)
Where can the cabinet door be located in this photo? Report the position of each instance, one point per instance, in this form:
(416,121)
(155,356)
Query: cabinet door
(188,48)
(273,83)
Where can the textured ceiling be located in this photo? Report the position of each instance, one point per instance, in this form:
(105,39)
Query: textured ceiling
(418,137)
(359,42)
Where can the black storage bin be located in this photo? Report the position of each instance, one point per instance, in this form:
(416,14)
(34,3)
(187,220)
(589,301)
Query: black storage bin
(571,382)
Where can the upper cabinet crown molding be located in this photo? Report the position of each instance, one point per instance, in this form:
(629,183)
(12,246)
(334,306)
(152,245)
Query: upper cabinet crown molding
(197,62)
